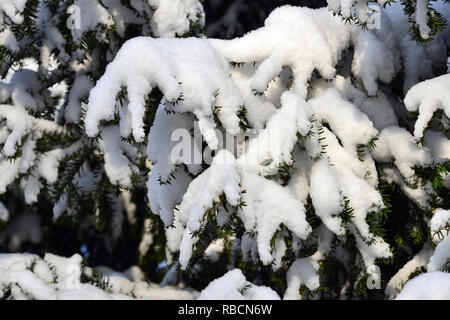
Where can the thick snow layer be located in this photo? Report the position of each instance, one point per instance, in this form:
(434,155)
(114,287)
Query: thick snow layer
(55,277)
(163,141)
(118,166)
(268,205)
(285,41)
(304,270)
(427,97)
(189,72)
(8,39)
(172,18)
(4,213)
(438,144)
(418,59)
(233,286)
(326,195)
(378,109)
(427,286)
(440,256)
(221,177)
(259,107)
(19,122)
(398,145)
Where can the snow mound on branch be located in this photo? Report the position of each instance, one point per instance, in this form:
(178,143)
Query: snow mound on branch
(274,144)
(162,144)
(118,166)
(267,206)
(175,17)
(427,286)
(326,195)
(418,59)
(58,278)
(8,39)
(164,196)
(438,223)
(233,286)
(189,72)
(221,177)
(427,97)
(4,213)
(12,10)
(304,270)
(344,7)
(285,41)
(346,121)
(420,260)
(397,144)
(91,14)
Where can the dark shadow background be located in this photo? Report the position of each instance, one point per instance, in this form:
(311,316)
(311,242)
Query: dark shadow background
(228,19)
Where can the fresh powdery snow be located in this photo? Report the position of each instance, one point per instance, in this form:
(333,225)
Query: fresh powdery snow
(194,85)
(233,286)
(427,97)
(427,286)
(55,277)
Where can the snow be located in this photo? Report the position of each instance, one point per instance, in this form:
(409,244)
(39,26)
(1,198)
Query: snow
(80,90)
(201,81)
(438,223)
(304,270)
(438,144)
(232,286)
(173,18)
(91,14)
(440,256)
(4,213)
(397,282)
(427,286)
(118,166)
(422,18)
(8,39)
(164,197)
(221,177)
(19,122)
(162,144)
(427,97)
(397,144)
(344,122)
(58,278)
(12,9)
(277,140)
(284,41)
(268,205)
(326,195)
(316,122)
